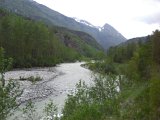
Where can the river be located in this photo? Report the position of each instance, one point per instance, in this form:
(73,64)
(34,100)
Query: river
(56,83)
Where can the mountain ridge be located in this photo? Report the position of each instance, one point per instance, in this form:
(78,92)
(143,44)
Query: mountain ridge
(40,12)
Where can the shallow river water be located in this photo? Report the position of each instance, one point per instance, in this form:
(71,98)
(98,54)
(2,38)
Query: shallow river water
(70,74)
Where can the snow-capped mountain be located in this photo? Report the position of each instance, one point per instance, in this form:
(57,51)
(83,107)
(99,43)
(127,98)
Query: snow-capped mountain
(106,36)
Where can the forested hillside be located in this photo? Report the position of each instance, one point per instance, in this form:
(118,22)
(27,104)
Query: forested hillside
(32,43)
(136,40)
(106,36)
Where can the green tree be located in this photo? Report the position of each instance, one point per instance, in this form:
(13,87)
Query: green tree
(156,48)
(9,90)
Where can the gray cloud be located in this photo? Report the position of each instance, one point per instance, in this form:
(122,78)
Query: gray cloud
(154,16)
(157,0)
(154,0)
(151,19)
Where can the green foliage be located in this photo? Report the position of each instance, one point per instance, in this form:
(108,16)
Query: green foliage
(155,94)
(107,37)
(29,112)
(129,91)
(93,103)
(103,67)
(9,90)
(74,101)
(50,110)
(85,112)
(140,93)
(156,48)
(8,96)
(5,64)
(138,80)
(81,42)
(34,79)
(145,60)
(135,102)
(139,67)
(121,54)
(31,79)
(31,43)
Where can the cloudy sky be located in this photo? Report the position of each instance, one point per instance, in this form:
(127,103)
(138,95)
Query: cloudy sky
(132,18)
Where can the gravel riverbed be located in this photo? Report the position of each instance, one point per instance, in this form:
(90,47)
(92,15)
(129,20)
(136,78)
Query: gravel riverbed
(57,82)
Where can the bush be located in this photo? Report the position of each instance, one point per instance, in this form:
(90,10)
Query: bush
(31,79)
(93,103)
(9,92)
(34,79)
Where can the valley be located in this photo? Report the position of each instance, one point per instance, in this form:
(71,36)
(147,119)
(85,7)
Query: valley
(55,67)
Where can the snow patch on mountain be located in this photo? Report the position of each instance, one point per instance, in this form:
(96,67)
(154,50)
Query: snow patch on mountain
(88,24)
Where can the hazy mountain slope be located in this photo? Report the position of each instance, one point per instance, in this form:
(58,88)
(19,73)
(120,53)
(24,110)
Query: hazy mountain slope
(82,42)
(106,36)
(87,39)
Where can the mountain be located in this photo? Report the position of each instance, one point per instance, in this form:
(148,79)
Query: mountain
(109,36)
(106,36)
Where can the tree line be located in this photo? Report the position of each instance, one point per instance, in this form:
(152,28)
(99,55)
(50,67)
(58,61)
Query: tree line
(32,43)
